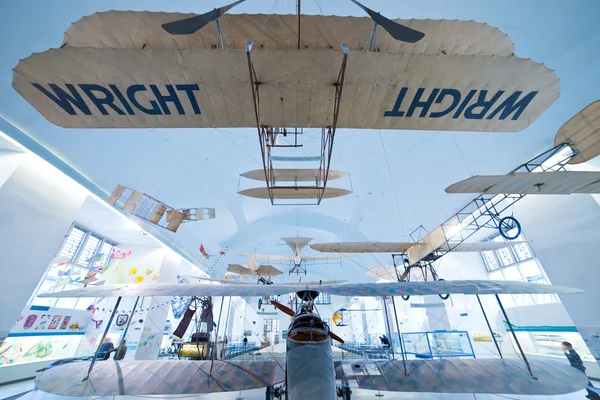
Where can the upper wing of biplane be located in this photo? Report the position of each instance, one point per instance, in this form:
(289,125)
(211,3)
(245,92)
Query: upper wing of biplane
(400,247)
(556,182)
(120,70)
(268,257)
(356,289)
(294,174)
(136,30)
(503,376)
(137,378)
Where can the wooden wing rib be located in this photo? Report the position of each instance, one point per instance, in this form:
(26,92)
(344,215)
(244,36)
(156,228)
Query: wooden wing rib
(268,270)
(135,378)
(464,376)
(362,247)
(557,182)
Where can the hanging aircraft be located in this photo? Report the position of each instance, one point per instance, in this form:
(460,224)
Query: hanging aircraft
(580,135)
(253,269)
(125,69)
(298,261)
(310,371)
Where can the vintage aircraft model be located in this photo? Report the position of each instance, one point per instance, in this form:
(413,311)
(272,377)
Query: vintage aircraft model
(580,135)
(253,269)
(310,371)
(124,69)
(298,261)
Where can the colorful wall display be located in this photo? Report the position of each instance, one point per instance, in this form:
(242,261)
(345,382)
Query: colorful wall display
(44,333)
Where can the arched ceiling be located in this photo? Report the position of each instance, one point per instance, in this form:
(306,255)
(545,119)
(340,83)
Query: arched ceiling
(392,197)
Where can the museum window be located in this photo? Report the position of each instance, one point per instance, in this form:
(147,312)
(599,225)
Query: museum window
(324,298)
(517,263)
(72,263)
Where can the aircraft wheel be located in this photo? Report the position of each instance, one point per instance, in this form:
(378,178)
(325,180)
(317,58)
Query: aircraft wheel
(443,296)
(259,304)
(506,224)
(405,298)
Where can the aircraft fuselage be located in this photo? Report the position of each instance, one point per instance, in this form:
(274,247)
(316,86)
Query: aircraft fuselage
(310,370)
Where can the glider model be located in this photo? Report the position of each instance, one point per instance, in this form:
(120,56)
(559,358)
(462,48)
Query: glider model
(154,211)
(253,269)
(298,261)
(310,371)
(580,135)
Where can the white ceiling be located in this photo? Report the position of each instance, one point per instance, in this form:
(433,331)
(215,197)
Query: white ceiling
(200,167)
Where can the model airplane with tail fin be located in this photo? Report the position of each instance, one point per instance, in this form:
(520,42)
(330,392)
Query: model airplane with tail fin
(310,371)
(296,244)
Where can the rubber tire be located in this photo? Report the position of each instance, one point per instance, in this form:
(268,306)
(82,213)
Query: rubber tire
(405,298)
(443,296)
(516,225)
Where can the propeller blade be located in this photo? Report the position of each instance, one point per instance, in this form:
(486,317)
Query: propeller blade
(336,337)
(190,25)
(396,30)
(282,308)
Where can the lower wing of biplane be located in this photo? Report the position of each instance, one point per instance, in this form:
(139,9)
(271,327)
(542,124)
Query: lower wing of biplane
(401,247)
(503,376)
(191,377)
(138,378)
(479,287)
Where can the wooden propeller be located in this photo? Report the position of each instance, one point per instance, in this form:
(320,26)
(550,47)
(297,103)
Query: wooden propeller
(336,337)
(283,309)
(291,313)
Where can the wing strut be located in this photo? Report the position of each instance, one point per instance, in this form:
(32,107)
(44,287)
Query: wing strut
(256,100)
(112,317)
(515,336)
(489,326)
(328,139)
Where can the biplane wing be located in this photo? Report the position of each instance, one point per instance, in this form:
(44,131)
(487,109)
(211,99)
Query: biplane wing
(135,378)
(362,247)
(400,247)
(582,132)
(503,376)
(354,289)
(294,175)
(268,270)
(556,182)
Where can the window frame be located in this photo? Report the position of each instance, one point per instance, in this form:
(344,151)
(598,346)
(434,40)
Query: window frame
(518,263)
(74,263)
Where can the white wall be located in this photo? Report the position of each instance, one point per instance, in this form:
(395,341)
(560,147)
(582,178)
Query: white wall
(37,207)
(565,231)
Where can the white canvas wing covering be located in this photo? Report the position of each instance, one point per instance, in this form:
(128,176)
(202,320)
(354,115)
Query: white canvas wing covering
(137,30)
(556,182)
(293,193)
(503,376)
(125,88)
(362,247)
(294,175)
(136,378)
(582,131)
(484,246)
(357,289)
